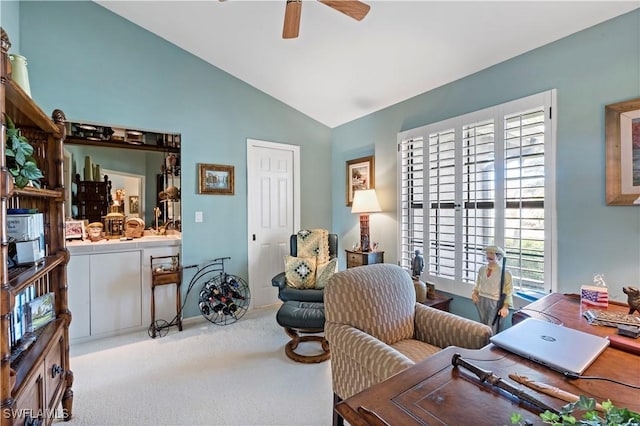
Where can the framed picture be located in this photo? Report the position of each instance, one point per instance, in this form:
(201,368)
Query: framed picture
(215,179)
(360,175)
(622,138)
(74,229)
(134,204)
(39,312)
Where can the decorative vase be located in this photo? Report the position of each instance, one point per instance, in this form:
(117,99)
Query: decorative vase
(19,72)
(421,290)
(88,168)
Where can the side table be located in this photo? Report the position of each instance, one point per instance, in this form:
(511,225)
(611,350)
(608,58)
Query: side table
(165,270)
(439,302)
(361,258)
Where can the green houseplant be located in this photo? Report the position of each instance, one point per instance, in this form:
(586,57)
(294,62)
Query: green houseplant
(590,417)
(18,153)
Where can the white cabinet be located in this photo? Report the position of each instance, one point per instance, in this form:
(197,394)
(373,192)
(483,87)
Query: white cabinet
(78,295)
(109,288)
(116,292)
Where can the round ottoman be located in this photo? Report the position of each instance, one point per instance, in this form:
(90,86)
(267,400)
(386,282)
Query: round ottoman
(303,317)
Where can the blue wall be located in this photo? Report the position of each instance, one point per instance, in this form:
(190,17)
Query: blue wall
(96,66)
(589,69)
(10,22)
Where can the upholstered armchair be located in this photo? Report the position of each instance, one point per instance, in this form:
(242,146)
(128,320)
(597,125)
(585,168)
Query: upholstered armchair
(376,329)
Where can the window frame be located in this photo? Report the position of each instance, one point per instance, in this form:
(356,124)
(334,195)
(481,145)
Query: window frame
(498,113)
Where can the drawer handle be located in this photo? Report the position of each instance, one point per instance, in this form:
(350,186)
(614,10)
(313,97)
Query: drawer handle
(55,370)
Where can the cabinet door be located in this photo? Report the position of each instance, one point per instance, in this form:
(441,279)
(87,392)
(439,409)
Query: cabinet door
(116,296)
(53,373)
(165,294)
(78,276)
(30,402)
(354,259)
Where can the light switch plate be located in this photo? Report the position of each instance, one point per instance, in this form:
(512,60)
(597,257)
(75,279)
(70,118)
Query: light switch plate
(198,216)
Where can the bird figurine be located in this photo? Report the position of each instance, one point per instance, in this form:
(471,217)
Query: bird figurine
(633,298)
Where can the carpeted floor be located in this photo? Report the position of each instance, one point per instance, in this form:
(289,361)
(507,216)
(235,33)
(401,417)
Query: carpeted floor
(205,375)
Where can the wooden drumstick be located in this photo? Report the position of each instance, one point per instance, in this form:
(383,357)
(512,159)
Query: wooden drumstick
(549,390)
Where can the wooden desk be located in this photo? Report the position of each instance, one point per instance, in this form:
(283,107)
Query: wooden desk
(434,392)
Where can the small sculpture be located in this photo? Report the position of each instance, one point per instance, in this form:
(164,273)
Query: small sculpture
(417,264)
(633,298)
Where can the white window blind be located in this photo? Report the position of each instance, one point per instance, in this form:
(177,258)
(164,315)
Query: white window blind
(442,202)
(411,158)
(489,179)
(524,227)
(478,195)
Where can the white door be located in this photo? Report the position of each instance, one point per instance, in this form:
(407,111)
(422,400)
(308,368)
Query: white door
(273,206)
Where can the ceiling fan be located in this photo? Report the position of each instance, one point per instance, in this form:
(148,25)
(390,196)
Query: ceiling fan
(352,8)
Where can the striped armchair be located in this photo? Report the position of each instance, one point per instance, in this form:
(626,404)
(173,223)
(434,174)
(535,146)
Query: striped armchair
(376,329)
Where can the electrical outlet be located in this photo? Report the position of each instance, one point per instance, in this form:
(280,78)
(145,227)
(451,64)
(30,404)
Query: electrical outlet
(198,217)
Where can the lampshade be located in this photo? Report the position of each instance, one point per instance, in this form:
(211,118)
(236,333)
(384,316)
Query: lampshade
(365,201)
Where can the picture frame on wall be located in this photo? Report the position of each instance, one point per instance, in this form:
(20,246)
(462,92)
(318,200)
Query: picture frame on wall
(622,139)
(216,179)
(134,204)
(360,175)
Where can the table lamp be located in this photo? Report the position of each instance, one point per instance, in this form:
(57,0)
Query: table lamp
(365,201)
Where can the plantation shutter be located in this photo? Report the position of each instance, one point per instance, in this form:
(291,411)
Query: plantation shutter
(478,195)
(411,167)
(489,179)
(442,204)
(524,152)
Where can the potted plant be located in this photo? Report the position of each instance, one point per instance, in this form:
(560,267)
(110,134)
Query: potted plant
(18,153)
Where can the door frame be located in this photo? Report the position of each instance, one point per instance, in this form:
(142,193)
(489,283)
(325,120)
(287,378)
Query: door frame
(295,150)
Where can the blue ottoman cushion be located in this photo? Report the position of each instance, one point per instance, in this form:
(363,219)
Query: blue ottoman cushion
(302,315)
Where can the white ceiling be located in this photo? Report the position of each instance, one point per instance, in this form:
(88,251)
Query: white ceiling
(340,69)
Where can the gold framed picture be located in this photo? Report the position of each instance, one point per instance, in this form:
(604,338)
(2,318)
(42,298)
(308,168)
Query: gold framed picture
(215,179)
(360,175)
(622,139)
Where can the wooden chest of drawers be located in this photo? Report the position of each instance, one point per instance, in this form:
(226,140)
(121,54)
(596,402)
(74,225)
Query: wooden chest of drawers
(360,258)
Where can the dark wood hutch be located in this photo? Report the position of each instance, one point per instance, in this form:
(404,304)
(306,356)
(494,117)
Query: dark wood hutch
(34,383)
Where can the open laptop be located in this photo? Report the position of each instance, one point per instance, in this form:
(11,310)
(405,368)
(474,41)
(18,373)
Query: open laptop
(563,349)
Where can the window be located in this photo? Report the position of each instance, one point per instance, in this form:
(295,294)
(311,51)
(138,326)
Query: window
(411,200)
(481,179)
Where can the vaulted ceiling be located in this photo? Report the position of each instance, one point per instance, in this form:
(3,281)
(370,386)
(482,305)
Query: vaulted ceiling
(340,69)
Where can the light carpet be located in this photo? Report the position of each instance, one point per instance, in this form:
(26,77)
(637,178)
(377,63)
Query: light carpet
(236,374)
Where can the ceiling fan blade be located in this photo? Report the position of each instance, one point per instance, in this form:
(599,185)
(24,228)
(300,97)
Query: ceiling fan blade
(292,19)
(352,8)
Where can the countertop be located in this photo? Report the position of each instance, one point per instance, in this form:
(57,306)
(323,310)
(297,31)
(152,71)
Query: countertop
(111,245)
